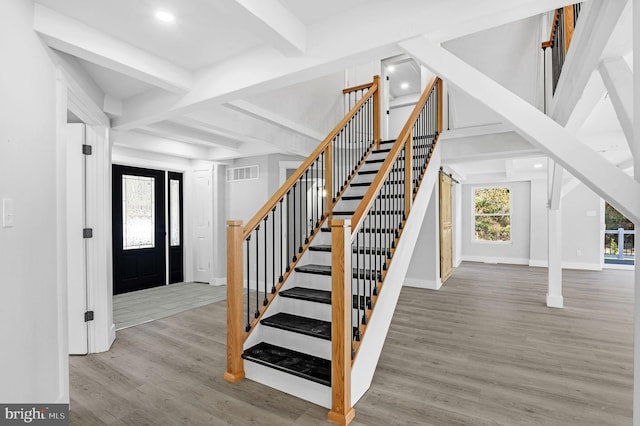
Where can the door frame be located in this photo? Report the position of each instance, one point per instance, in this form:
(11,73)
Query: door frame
(71,96)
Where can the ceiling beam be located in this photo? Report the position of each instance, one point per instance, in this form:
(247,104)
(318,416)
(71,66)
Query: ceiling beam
(597,22)
(277,120)
(151,143)
(271,21)
(182,133)
(260,70)
(80,40)
(533,125)
(594,29)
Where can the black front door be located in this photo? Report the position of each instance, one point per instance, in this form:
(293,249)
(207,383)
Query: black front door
(138,229)
(176,274)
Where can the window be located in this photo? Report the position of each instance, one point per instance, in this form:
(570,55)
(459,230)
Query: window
(174,212)
(492,214)
(138,207)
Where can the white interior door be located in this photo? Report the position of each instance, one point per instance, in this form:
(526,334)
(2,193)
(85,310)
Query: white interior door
(76,246)
(203,246)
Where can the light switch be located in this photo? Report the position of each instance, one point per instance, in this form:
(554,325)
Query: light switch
(7,213)
(591,213)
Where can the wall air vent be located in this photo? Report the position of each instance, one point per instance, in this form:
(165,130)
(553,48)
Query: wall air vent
(243,173)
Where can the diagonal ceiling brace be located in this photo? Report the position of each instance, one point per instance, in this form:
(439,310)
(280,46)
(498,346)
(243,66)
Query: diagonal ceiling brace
(618,79)
(540,130)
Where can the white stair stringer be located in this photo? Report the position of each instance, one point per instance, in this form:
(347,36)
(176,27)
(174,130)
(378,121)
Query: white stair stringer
(373,340)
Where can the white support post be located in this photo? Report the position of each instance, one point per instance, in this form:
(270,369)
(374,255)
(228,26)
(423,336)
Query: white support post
(554,292)
(554,240)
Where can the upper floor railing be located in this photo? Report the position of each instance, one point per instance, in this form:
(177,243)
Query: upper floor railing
(262,254)
(619,246)
(362,248)
(562,28)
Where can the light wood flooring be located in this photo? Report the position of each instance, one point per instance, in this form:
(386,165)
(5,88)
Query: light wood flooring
(142,306)
(483,350)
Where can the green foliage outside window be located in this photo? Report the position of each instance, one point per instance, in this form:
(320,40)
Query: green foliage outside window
(492,214)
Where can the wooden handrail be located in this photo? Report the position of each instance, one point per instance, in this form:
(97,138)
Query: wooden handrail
(371,194)
(273,201)
(356,88)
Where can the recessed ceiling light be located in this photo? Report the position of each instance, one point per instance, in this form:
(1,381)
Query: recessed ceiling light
(391,68)
(404,85)
(165,16)
(537,165)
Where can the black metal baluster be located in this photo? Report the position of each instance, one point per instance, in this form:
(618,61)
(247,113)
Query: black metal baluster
(306,206)
(289,242)
(294,242)
(257,313)
(273,251)
(281,241)
(314,195)
(301,217)
(248,326)
(265,301)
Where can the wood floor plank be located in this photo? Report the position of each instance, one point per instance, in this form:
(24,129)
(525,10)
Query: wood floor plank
(482,350)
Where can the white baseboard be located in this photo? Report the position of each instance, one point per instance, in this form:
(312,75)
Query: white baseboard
(619,267)
(490,259)
(555,301)
(457,262)
(218,281)
(420,283)
(584,266)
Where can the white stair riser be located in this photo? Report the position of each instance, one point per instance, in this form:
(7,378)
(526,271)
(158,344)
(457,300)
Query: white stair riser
(304,308)
(297,342)
(288,383)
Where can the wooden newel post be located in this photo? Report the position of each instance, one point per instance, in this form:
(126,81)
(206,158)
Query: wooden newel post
(341,412)
(235,366)
(376,111)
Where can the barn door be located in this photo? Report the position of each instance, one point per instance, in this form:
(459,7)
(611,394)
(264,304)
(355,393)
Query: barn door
(446,234)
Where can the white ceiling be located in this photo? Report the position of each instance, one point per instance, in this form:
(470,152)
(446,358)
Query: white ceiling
(234,91)
(204,31)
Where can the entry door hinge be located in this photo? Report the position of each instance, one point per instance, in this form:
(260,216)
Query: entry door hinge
(88,316)
(87,233)
(86,149)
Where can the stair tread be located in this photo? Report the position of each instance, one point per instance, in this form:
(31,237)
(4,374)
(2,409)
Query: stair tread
(289,361)
(352,212)
(313,268)
(376,230)
(327,248)
(309,294)
(298,324)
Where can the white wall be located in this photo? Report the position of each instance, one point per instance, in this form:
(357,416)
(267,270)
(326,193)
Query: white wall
(517,250)
(424,268)
(31,330)
(512,61)
(538,251)
(582,225)
(398,118)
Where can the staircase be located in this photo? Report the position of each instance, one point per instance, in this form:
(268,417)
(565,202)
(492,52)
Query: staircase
(313,303)
(295,337)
